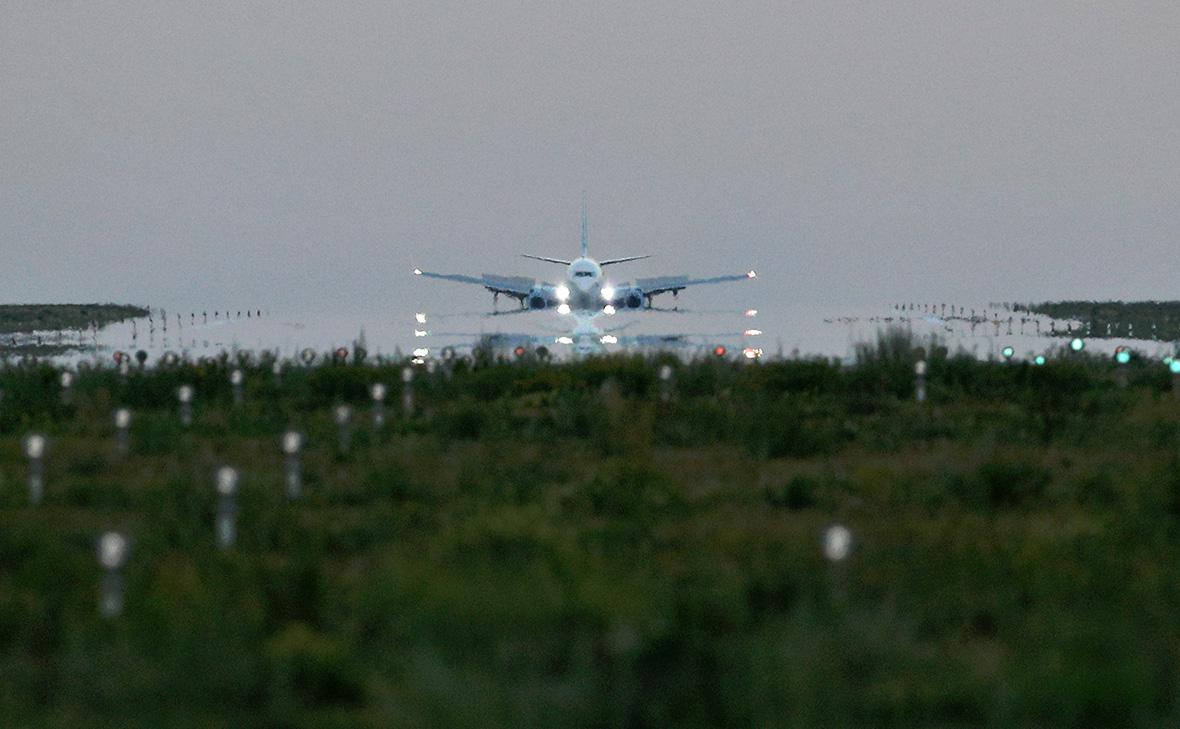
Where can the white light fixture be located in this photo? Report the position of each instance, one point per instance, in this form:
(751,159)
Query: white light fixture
(608,292)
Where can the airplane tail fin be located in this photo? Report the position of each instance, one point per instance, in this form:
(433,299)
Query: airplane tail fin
(585,234)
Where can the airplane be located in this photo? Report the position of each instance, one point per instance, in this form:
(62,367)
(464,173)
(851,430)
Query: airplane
(584,288)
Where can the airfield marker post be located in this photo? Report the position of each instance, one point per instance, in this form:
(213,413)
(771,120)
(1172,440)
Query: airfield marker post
(67,387)
(1174,368)
(227,506)
(122,431)
(343,417)
(1122,358)
(378,391)
(837,543)
(236,380)
(920,380)
(34,446)
(112,556)
(276,370)
(408,391)
(184,394)
(666,382)
(292,444)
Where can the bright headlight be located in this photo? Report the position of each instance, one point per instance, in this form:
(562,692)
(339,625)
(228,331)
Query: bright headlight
(562,292)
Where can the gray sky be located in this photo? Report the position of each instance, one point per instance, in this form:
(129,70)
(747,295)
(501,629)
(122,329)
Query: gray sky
(201,154)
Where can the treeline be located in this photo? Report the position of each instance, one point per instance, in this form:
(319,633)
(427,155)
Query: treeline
(16,318)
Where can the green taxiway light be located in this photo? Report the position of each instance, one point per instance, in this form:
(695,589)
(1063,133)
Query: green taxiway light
(1077,345)
(1123,357)
(1008,352)
(1174,366)
(1040,360)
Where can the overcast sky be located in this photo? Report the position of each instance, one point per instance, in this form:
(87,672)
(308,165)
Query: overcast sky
(201,154)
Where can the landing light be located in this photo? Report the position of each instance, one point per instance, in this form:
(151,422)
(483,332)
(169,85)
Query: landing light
(420,318)
(751,274)
(609,339)
(563,309)
(608,293)
(608,310)
(562,292)
(417,272)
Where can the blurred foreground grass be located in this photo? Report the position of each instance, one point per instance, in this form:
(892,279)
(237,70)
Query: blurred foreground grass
(559,545)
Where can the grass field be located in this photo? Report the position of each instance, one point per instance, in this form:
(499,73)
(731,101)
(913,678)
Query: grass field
(560,545)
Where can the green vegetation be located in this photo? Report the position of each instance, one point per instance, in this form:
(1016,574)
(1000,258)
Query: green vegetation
(558,545)
(1133,319)
(58,317)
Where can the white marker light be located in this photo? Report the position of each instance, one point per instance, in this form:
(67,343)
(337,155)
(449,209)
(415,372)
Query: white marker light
(378,391)
(420,333)
(608,292)
(292,442)
(609,339)
(420,318)
(609,310)
(564,309)
(34,446)
(421,352)
(112,550)
(227,481)
(565,340)
(122,418)
(837,543)
(562,292)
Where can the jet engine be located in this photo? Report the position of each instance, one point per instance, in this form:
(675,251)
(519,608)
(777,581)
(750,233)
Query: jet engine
(537,299)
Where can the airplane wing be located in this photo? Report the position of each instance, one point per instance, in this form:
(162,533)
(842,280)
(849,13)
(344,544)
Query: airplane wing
(673,284)
(518,287)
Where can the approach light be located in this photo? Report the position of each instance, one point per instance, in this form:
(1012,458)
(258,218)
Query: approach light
(563,309)
(565,340)
(1076,344)
(608,292)
(752,333)
(1040,360)
(562,292)
(720,350)
(519,351)
(1008,352)
(609,339)
(420,318)
(609,310)
(751,313)
(421,333)
(1123,357)
(421,352)
(752,352)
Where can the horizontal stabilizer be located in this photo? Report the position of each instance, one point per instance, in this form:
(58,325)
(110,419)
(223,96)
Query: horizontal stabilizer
(628,259)
(546,260)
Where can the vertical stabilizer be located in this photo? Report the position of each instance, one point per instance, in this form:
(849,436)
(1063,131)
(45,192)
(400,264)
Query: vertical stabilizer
(585,235)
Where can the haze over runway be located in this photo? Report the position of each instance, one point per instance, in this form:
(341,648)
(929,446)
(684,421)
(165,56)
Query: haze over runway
(302,155)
